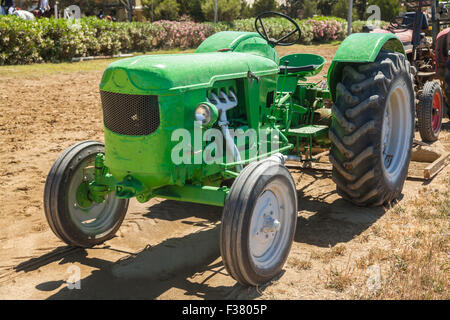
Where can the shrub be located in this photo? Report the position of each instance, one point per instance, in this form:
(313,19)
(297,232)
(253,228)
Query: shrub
(182,34)
(54,40)
(326,30)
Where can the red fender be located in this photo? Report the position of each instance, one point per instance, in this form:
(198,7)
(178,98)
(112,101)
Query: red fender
(442,47)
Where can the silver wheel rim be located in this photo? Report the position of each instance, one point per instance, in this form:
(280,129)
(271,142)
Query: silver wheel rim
(99,219)
(270,225)
(395,135)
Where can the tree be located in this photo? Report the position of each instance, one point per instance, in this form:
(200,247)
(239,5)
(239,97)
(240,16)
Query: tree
(309,8)
(87,7)
(129,7)
(292,8)
(167,10)
(325,6)
(389,8)
(361,7)
(260,6)
(246,10)
(340,9)
(227,10)
(192,8)
(162,9)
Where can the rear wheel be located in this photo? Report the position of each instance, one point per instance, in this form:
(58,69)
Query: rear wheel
(76,220)
(258,222)
(372,129)
(430,111)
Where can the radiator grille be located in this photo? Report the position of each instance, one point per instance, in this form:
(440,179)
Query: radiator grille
(127,114)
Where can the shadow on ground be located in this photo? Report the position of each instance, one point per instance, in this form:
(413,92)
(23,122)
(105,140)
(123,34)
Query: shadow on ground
(151,272)
(445,126)
(332,222)
(172,263)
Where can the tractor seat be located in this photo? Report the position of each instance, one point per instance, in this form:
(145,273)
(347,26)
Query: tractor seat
(293,69)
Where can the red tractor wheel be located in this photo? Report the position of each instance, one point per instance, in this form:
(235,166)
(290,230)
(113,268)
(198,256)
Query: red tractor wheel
(430,111)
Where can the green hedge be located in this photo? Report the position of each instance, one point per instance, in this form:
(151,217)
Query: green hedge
(54,40)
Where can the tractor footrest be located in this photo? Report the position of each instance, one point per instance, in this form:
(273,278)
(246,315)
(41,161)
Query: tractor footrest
(307,131)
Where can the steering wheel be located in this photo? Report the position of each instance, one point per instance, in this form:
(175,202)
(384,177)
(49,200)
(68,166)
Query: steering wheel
(276,42)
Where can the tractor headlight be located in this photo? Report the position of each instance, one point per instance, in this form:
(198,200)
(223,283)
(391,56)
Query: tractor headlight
(206,113)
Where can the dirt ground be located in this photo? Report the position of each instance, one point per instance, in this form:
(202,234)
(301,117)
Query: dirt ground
(170,250)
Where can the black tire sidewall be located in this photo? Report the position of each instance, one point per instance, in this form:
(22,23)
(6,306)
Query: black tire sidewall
(425,112)
(256,183)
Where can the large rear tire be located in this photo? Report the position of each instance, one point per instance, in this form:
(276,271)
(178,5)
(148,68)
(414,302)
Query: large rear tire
(372,129)
(258,222)
(75,224)
(430,111)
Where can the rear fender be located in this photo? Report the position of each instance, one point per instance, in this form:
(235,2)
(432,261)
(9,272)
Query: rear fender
(360,48)
(442,47)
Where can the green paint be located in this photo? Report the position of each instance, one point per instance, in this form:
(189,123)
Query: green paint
(83,200)
(171,74)
(247,42)
(242,62)
(364,47)
(360,48)
(197,194)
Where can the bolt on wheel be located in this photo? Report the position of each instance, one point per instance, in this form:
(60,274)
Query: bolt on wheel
(269,218)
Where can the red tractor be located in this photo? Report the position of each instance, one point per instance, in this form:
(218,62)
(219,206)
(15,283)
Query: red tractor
(425,36)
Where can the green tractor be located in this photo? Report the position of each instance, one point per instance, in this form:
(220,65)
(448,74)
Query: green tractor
(216,126)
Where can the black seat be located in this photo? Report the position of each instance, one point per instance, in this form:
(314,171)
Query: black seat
(408,19)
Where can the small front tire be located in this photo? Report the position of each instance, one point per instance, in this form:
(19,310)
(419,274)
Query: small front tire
(258,222)
(77,225)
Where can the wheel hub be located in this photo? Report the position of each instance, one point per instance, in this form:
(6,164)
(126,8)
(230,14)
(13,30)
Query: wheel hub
(265,223)
(395,133)
(436,113)
(82,196)
(90,217)
(271,225)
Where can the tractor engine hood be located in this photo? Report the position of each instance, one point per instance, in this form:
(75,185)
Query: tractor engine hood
(172,73)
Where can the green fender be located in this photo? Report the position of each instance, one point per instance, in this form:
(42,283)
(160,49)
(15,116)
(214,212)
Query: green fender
(360,48)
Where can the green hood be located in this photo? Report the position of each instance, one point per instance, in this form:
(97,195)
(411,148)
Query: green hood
(159,74)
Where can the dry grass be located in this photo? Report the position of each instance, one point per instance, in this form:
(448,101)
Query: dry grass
(363,237)
(374,255)
(300,264)
(330,254)
(416,265)
(339,280)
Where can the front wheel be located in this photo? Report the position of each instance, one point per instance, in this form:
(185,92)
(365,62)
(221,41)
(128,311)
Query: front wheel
(80,223)
(430,111)
(258,222)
